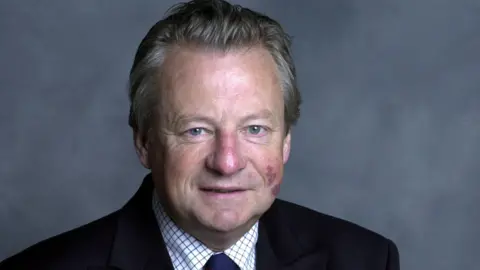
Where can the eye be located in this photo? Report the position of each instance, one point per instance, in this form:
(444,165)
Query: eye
(255,130)
(195,131)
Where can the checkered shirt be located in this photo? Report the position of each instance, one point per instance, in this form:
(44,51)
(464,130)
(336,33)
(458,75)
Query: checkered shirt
(187,253)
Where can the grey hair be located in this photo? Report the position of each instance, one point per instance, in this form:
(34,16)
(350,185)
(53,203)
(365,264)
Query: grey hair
(210,24)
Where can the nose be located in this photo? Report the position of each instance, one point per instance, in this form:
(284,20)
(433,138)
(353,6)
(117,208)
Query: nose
(226,158)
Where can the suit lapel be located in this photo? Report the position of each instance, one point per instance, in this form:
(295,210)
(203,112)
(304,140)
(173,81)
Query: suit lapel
(265,256)
(138,242)
(280,246)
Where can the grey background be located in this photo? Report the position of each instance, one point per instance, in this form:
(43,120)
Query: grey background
(388,138)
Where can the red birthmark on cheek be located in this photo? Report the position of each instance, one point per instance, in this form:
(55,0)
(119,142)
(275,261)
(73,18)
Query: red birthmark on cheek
(271,175)
(272,181)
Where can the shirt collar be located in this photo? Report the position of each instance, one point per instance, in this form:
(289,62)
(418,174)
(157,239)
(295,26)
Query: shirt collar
(185,249)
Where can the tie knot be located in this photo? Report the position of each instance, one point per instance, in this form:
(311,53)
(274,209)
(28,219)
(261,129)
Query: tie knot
(221,261)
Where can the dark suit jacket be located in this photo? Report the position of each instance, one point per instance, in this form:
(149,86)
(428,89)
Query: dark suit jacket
(291,237)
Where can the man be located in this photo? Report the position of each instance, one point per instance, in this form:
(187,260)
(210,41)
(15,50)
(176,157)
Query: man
(213,99)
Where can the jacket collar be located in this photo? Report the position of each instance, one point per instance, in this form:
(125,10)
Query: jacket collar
(138,242)
(282,246)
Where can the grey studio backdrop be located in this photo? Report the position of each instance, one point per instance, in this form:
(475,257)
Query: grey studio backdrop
(388,138)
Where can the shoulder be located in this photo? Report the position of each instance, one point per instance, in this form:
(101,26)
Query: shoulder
(74,249)
(344,239)
(303,219)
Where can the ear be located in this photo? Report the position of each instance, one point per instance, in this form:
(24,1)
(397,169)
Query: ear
(141,147)
(286,147)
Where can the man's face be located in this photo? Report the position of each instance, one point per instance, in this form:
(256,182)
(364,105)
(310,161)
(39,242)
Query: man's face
(218,145)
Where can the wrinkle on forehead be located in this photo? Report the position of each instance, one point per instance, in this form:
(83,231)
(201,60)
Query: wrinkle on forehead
(219,63)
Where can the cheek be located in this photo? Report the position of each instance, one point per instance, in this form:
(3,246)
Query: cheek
(271,175)
(180,165)
(274,178)
(275,189)
(183,157)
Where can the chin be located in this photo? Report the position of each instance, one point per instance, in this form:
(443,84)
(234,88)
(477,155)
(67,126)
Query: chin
(226,220)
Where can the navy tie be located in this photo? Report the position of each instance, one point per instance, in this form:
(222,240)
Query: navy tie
(221,262)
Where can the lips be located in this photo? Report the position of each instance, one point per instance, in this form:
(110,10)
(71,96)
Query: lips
(222,190)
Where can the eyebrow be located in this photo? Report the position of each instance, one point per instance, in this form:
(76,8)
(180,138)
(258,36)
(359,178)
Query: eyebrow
(263,114)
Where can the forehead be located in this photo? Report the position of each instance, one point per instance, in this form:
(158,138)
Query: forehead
(194,77)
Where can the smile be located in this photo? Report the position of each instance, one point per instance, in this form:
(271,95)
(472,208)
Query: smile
(222,190)
(222,193)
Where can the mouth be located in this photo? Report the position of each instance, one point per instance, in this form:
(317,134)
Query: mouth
(220,190)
